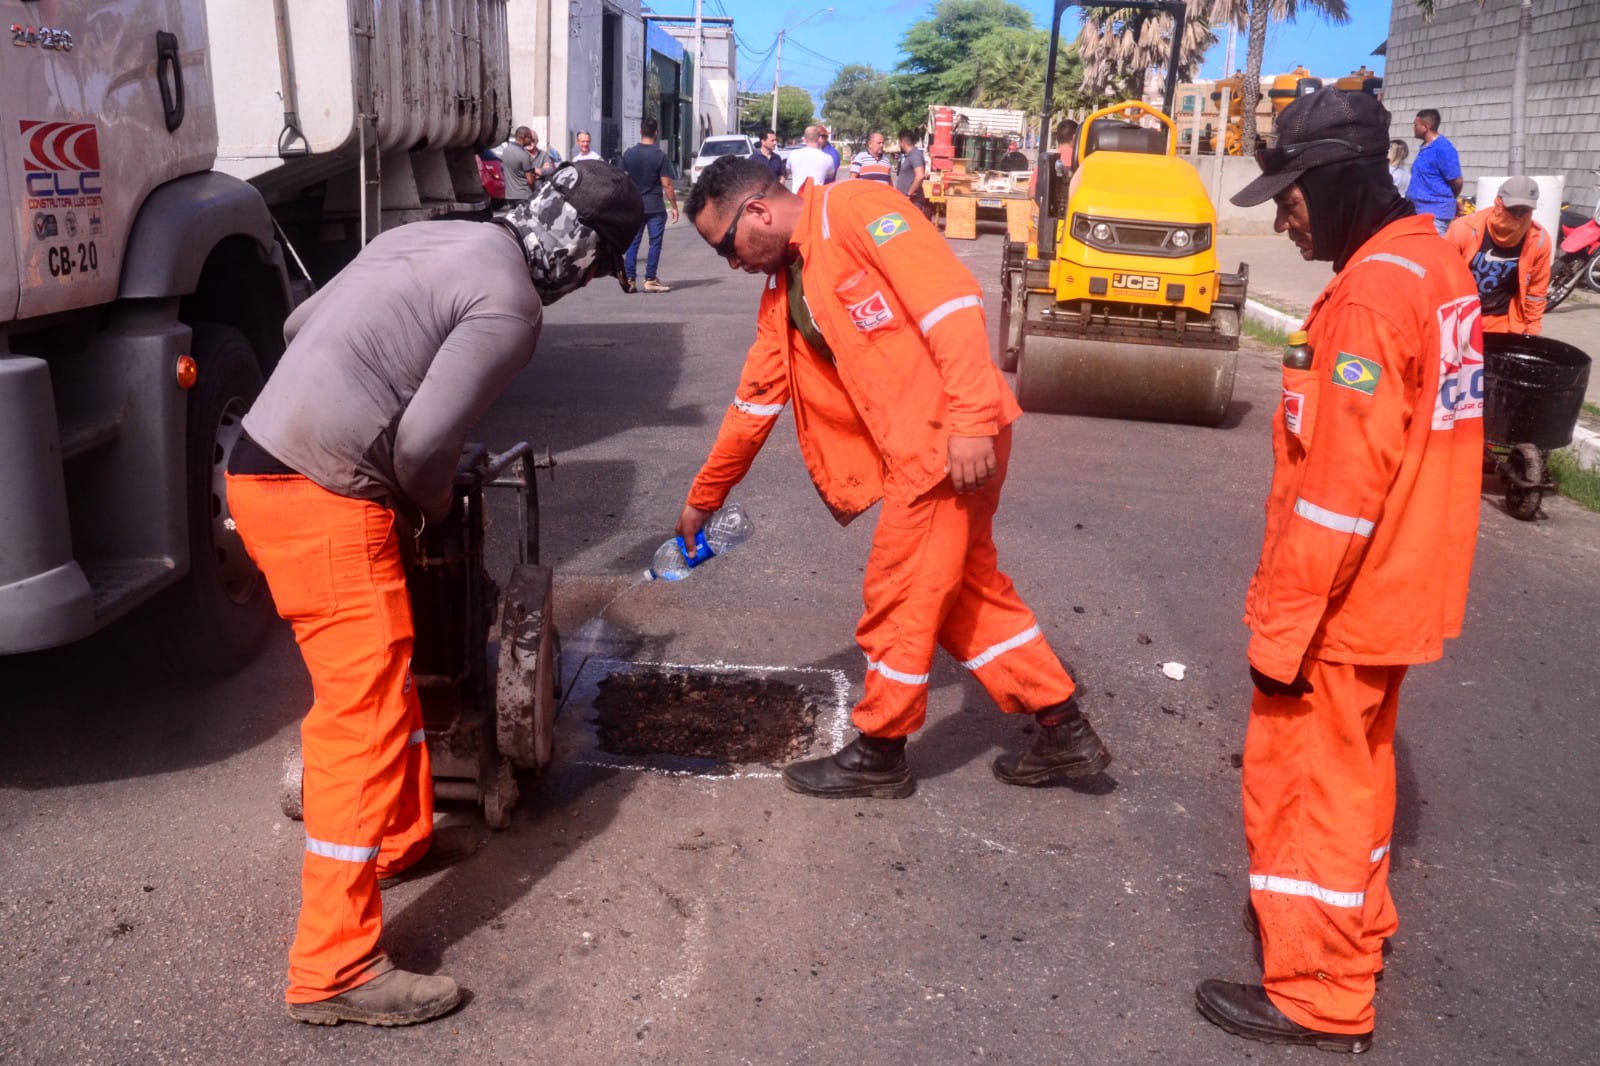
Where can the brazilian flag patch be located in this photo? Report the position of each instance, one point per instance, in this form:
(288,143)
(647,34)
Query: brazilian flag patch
(1354,372)
(885,229)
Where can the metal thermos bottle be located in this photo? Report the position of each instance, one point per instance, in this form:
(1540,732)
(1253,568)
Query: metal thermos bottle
(1297,356)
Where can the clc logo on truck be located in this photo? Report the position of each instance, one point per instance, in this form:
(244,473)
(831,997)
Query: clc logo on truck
(60,159)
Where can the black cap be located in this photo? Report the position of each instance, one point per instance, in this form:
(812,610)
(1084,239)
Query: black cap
(608,203)
(1328,126)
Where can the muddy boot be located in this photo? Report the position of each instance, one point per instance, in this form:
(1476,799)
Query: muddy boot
(394,997)
(865,768)
(1064,747)
(1245,1010)
(449,846)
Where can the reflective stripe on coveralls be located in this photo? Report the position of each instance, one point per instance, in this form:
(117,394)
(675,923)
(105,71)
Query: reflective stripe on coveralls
(904,318)
(333,565)
(1371,524)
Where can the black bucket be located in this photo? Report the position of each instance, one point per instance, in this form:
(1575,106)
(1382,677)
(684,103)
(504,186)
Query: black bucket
(1533,390)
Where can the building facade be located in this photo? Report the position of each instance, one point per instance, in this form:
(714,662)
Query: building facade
(1460,63)
(719,77)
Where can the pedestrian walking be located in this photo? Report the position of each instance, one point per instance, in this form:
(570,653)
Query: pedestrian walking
(652,175)
(873,328)
(1509,256)
(1435,173)
(1371,521)
(871,163)
(356,437)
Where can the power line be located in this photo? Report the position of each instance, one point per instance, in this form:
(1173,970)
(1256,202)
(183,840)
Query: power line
(814,54)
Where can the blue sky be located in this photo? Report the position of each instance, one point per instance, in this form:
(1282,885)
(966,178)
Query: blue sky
(869,32)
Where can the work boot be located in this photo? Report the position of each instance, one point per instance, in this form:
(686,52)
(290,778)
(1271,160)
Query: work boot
(652,285)
(449,846)
(865,768)
(1245,1010)
(394,997)
(1065,747)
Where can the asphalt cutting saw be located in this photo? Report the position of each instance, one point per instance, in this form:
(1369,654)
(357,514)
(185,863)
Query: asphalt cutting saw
(486,661)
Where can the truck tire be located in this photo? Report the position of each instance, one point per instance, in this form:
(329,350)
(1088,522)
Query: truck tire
(217,619)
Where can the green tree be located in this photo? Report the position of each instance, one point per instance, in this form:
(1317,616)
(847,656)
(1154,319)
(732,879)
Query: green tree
(1010,67)
(939,64)
(857,103)
(1254,15)
(796,111)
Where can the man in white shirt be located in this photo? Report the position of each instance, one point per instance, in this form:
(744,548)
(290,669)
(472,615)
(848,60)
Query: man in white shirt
(584,152)
(810,162)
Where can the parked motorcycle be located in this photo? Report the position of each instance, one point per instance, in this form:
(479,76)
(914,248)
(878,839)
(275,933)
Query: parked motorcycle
(1578,259)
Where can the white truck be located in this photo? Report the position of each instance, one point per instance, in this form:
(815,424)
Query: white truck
(176,174)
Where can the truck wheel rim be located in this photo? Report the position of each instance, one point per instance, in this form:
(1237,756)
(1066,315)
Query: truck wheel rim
(235,569)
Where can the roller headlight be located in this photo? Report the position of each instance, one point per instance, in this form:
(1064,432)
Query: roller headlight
(1101,232)
(1181,238)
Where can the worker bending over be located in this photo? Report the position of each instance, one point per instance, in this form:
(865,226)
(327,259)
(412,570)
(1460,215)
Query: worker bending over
(361,424)
(1371,522)
(874,330)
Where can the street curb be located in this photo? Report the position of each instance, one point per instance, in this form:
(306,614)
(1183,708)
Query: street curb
(1586,443)
(1270,317)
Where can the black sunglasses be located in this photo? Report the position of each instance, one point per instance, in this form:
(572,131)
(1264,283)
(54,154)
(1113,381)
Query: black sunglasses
(725,247)
(1274,160)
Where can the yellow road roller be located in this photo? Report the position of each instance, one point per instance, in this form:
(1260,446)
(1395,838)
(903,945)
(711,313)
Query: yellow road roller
(1116,305)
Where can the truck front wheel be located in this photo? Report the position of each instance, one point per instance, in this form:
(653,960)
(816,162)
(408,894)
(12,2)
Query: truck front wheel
(218,617)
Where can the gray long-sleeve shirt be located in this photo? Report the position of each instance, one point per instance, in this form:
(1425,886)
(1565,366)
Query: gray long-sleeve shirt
(392,363)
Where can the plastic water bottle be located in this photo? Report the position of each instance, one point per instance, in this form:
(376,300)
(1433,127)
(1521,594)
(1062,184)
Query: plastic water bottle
(726,529)
(1297,355)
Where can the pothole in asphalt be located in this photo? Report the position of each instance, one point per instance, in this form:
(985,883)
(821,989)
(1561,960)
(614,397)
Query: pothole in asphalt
(704,716)
(718,720)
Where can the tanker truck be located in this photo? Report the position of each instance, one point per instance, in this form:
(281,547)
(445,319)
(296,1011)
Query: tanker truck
(177,175)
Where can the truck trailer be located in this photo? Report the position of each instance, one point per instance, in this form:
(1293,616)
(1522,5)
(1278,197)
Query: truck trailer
(177,175)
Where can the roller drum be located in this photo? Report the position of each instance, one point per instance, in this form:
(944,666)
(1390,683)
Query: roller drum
(1117,379)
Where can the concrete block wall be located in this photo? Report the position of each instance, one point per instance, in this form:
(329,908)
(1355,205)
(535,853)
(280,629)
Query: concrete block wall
(1461,64)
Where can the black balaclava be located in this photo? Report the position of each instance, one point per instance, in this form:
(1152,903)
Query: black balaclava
(1348,202)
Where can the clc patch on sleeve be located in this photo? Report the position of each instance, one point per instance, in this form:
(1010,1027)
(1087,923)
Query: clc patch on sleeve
(887,228)
(1354,372)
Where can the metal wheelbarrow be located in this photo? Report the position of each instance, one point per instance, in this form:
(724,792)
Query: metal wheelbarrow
(1533,392)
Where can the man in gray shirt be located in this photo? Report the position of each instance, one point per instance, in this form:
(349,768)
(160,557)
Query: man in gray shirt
(517,165)
(362,421)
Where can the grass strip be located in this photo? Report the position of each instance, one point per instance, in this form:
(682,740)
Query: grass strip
(1573,481)
(1265,334)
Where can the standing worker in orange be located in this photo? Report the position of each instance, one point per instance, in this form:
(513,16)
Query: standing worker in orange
(388,368)
(874,330)
(1371,523)
(1509,256)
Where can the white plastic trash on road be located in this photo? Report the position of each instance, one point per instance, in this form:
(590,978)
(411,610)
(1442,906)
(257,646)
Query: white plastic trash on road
(1173,670)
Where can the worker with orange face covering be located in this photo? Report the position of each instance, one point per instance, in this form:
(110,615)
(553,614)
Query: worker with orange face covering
(1509,256)
(874,330)
(1371,523)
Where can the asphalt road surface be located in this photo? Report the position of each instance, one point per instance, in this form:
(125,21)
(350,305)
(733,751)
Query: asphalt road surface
(148,881)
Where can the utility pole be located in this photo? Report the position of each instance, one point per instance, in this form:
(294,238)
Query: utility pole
(699,60)
(777,68)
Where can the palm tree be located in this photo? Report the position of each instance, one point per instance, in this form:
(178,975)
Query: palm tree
(1254,16)
(1119,44)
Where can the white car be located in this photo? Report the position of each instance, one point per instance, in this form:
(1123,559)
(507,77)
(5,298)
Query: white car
(712,147)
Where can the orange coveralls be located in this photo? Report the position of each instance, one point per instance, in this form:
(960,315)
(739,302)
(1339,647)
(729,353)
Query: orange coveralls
(905,321)
(1370,530)
(333,565)
(1526,313)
